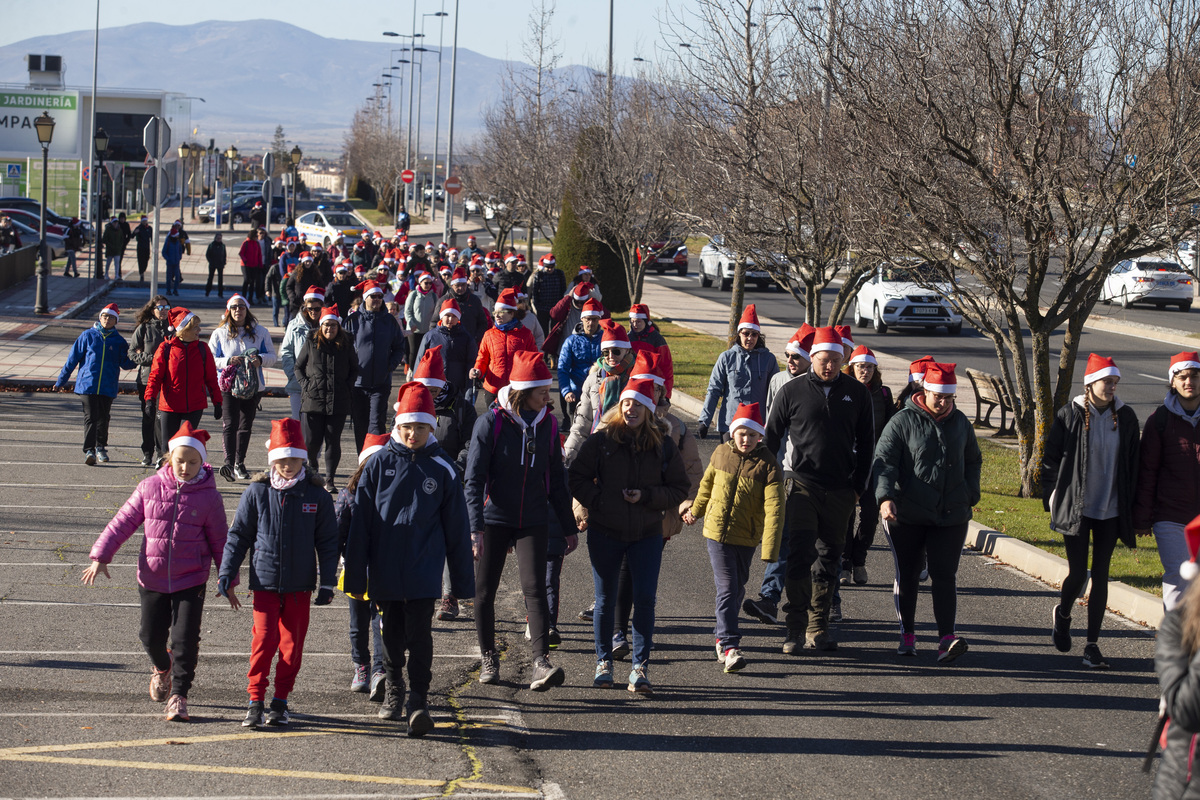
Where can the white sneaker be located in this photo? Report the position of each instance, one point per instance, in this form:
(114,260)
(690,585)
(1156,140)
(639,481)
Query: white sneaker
(734,660)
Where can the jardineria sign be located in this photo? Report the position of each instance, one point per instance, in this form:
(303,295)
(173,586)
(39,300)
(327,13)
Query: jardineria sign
(18,110)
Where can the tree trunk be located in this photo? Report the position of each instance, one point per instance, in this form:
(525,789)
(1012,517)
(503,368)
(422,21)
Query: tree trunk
(1033,441)
(812,303)
(735,299)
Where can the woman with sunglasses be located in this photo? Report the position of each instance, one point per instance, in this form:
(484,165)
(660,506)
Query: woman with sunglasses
(237,338)
(150,331)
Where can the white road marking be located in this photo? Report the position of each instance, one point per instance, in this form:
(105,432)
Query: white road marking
(1153,377)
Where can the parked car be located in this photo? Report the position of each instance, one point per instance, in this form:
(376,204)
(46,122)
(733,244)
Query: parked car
(429,192)
(905,295)
(34,207)
(33,220)
(1185,253)
(29,238)
(325,226)
(717,264)
(1149,279)
(664,255)
(241,208)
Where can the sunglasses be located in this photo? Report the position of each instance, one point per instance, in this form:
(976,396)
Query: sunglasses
(162,308)
(237,306)
(613,351)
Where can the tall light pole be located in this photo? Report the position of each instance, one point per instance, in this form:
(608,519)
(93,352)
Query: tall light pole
(450,131)
(231,157)
(197,154)
(185,152)
(437,106)
(45,132)
(295,155)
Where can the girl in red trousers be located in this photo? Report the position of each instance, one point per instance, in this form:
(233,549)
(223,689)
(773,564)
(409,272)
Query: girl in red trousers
(184,520)
(286,520)
(182,374)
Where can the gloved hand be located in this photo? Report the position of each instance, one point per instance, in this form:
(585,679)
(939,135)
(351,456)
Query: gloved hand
(216,410)
(703,431)
(324,597)
(223,586)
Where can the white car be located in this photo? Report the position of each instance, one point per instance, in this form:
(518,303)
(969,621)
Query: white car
(322,227)
(1148,279)
(895,297)
(717,264)
(1185,253)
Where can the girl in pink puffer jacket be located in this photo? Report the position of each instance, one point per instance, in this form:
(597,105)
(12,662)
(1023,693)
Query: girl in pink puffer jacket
(185,530)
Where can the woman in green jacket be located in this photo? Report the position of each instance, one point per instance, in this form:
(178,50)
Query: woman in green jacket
(926,478)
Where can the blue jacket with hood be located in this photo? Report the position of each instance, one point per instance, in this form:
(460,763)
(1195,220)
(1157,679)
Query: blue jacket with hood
(100,355)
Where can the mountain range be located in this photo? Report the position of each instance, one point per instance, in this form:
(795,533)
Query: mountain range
(258,74)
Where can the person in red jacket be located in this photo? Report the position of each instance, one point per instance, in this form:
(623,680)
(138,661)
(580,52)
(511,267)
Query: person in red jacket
(251,255)
(1168,486)
(645,335)
(500,343)
(182,372)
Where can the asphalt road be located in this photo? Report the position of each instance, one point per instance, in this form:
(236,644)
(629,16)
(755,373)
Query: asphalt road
(1013,718)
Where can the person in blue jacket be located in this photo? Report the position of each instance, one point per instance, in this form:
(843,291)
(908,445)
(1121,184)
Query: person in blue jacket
(380,346)
(515,480)
(579,351)
(458,348)
(100,353)
(741,375)
(287,522)
(410,517)
(172,253)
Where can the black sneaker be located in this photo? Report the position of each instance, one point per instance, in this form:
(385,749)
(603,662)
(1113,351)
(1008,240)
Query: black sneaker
(586,614)
(147,459)
(278,716)
(761,610)
(226,472)
(330,487)
(392,703)
(822,641)
(1092,659)
(239,472)
(793,644)
(254,715)
(489,667)
(89,457)
(835,611)
(545,675)
(419,722)
(1060,630)
(553,639)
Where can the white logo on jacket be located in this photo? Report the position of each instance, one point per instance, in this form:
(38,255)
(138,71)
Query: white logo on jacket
(430,486)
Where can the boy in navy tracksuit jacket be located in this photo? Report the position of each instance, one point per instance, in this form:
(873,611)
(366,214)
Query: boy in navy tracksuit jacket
(286,518)
(410,517)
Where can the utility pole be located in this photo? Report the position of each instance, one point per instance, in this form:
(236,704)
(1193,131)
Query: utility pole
(449,207)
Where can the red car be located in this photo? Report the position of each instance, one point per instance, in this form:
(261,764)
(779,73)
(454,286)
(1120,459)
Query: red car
(665,255)
(33,220)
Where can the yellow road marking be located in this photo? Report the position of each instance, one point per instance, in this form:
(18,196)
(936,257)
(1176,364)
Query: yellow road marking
(499,787)
(226,737)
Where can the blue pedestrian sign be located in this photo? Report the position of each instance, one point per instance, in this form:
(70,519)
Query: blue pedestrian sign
(14,170)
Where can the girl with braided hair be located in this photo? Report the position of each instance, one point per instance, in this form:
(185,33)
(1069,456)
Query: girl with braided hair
(1089,472)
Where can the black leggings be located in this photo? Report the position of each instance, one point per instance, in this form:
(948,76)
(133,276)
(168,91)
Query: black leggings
(414,346)
(323,429)
(1104,541)
(944,545)
(177,614)
(170,421)
(530,546)
(237,420)
(97,410)
(150,440)
(861,534)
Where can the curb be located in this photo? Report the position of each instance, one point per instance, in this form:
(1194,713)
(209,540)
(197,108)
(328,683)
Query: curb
(1143,332)
(78,308)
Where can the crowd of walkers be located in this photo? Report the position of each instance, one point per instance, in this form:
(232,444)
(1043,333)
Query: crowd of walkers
(812,460)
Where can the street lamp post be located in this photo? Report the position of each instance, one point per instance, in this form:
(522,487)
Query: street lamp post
(231,156)
(437,106)
(45,132)
(100,142)
(197,154)
(449,202)
(296,155)
(185,152)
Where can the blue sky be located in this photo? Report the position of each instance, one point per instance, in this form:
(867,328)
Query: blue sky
(492,27)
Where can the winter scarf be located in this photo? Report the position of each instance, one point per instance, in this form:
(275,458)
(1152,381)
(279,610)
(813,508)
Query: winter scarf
(279,484)
(612,381)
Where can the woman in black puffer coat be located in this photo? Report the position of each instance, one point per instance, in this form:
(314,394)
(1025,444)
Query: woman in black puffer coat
(1179,680)
(326,368)
(152,328)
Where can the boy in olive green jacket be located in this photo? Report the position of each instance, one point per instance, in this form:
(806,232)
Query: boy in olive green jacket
(741,498)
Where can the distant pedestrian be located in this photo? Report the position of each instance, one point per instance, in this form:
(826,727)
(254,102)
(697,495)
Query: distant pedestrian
(74,243)
(10,239)
(602,387)
(114,248)
(251,257)
(546,286)
(151,329)
(183,517)
(420,314)
(215,255)
(144,235)
(579,352)
(1089,474)
(298,330)
(172,253)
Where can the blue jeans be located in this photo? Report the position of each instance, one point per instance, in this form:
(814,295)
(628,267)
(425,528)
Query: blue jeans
(174,277)
(554,565)
(772,583)
(364,615)
(645,558)
(71,265)
(731,570)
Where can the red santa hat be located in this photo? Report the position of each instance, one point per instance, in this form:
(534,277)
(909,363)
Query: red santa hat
(369,288)
(111,310)
(424,276)
(477,261)
(431,371)
(585,270)
(179,317)
(916,370)
(414,403)
(749,319)
(459,276)
(341,266)
(940,379)
(306,256)
(330,313)
(507,301)
(520,258)
(546,261)
(511,258)
(640,390)
(314,292)
(493,257)
(614,335)
(592,308)
(1099,367)
(372,444)
(287,440)
(1182,361)
(529,370)
(826,340)
(452,254)
(1188,570)
(748,416)
(647,366)
(196,438)
(639,311)
(847,336)
(234,299)
(450,306)
(581,292)
(800,342)
(863,355)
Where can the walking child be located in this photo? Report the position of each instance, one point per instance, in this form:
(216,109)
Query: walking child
(284,514)
(741,499)
(184,519)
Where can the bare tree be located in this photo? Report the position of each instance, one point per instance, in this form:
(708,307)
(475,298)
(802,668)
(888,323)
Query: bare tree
(1023,147)
(375,153)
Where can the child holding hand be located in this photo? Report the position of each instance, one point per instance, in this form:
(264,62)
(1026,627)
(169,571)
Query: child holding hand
(184,520)
(741,498)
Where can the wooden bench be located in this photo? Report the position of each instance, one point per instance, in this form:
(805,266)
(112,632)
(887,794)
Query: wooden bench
(990,394)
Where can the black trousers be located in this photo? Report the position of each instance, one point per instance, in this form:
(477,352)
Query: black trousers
(816,530)
(408,626)
(323,429)
(169,422)
(220,273)
(143,263)
(369,411)
(943,544)
(248,285)
(860,536)
(258,277)
(97,410)
(414,347)
(150,441)
(237,420)
(530,546)
(1104,540)
(177,614)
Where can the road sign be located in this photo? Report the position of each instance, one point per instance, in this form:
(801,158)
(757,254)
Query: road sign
(266,187)
(87,174)
(268,164)
(408,176)
(148,187)
(14,170)
(114,169)
(452,185)
(156,137)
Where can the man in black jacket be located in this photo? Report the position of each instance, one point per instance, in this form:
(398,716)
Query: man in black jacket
(825,417)
(380,345)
